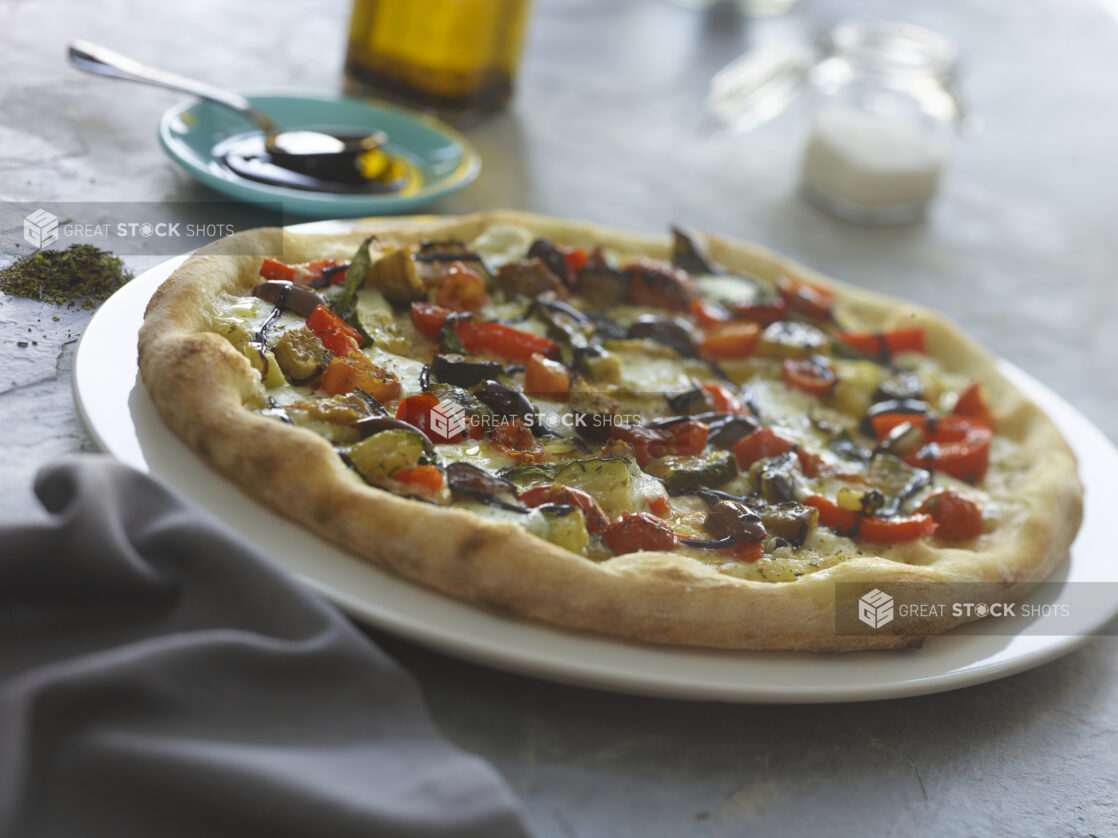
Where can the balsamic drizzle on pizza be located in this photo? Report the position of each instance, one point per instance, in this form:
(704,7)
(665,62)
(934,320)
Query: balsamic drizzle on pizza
(615,404)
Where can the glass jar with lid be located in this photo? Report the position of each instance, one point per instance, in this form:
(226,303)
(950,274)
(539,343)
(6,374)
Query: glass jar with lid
(884,114)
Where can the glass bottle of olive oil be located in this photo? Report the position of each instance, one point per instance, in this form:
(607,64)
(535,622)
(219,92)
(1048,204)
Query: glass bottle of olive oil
(455,57)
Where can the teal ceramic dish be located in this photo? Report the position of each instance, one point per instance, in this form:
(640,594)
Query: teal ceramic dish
(189,131)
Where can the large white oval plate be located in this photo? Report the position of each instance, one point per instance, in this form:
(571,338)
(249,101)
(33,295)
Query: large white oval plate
(121,418)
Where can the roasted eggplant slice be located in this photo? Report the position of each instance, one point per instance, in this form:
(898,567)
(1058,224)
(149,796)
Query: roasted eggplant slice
(674,332)
(790,520)
(605,327)
(602,286)
(287,295)
(528,278)
(469,481)
(729,429)
(779,478)
(549,254)
(897,480)
(688,254)
(690,402)
(449,250)
(658,285)
(565,323)
(463,370)
(734,519)
(593,412)
(507,402)
(372,425)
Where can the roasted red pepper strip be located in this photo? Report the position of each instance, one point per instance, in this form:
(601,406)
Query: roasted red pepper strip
(896,530)
(640,437)
(634,531)
(972,405)
(356,371)
(871,529)
(682,439)
(425,477)
(955,445)
(416,410)
(494,338)
(832,515)
(723,400)
(885,344)
(596,519)
(336,335)
(762,443)
(745,551)
(686,438)
(429,318)
(304,274)
(499,339)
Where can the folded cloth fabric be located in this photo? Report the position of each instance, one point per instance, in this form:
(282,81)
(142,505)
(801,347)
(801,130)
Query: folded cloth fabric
(160,678)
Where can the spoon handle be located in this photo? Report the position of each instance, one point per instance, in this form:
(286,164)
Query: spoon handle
(102,62)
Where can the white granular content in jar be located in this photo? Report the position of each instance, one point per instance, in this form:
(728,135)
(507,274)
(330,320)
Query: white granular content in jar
(870,160)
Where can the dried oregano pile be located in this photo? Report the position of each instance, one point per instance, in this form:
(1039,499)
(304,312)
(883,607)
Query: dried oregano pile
(80,276)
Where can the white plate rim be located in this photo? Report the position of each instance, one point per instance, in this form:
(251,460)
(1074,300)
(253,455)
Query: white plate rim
(953,661)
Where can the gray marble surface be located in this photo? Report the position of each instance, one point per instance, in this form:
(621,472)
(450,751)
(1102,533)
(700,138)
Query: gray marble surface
(608,125)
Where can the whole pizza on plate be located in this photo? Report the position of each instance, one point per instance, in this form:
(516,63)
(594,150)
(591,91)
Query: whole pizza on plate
(682,439)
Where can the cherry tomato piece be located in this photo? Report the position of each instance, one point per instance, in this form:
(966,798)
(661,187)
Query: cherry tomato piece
(762,443)
(635,531)
(729,341)
(461,289)
(544,377)
(812,301)
(958,514)
(814,376)
(596,519)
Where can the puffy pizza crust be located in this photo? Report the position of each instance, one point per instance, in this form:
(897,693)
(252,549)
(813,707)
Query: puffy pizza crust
(204,389)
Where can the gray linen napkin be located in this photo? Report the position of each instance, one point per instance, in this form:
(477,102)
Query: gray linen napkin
(160,678)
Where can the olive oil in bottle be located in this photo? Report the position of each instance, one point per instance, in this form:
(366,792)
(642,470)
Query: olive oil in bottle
(455,57)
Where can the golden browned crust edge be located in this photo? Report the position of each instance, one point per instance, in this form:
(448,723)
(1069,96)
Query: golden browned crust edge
(200,385)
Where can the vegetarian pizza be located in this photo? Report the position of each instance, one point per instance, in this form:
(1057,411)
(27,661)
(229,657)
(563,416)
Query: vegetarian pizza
(682,439)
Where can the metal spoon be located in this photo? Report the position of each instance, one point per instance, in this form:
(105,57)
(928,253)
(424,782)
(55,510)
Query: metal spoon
(311,152)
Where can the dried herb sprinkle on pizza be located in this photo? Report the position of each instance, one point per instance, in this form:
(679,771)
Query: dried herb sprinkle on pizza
(593,402)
